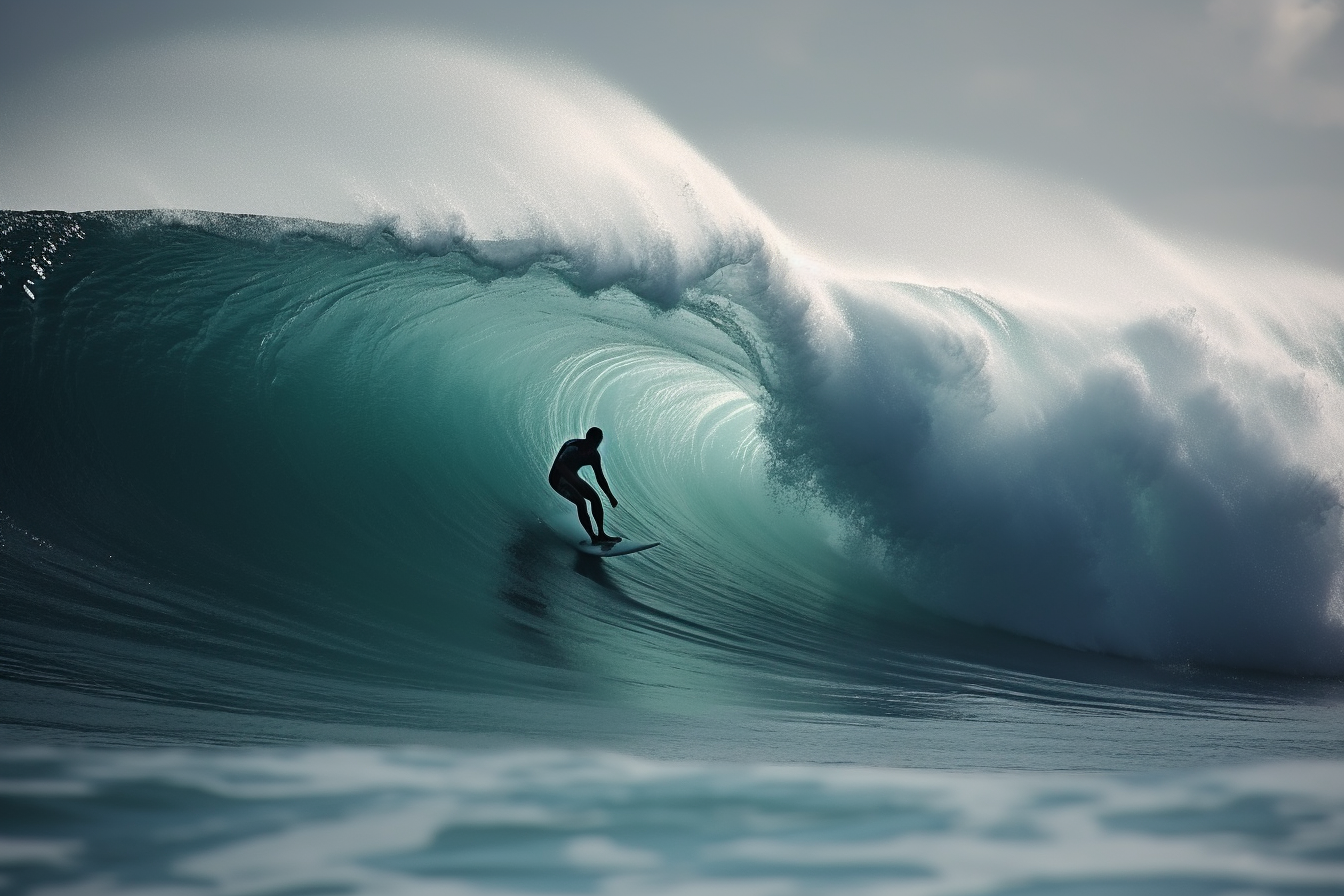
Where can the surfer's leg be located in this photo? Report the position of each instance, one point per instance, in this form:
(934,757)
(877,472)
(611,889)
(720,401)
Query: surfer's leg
(597,512)
(567,491)
(590,496)
(583,518)
(597,515)
(586,492)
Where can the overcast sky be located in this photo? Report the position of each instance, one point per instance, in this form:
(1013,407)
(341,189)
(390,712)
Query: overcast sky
(1223,118)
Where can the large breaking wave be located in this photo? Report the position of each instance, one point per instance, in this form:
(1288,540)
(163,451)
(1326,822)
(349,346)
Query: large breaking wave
(358,416)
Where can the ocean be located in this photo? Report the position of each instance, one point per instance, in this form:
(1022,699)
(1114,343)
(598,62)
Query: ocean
(962,589)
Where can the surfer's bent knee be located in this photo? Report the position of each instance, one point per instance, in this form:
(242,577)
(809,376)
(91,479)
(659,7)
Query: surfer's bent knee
(574,494)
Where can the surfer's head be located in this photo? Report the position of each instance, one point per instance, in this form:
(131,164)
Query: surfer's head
(594,436)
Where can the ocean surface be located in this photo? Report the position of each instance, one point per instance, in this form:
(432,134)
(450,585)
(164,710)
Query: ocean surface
(962,589)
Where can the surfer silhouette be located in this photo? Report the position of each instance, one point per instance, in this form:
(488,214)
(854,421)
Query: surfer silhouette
(572,457)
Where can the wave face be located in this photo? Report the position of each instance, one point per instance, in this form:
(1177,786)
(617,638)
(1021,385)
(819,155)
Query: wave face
(320,449)
(340,403)
(309,448)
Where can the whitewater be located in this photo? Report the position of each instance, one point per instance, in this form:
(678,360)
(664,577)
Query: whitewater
(1027,578)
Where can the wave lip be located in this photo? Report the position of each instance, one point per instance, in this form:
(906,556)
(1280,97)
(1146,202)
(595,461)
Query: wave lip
(441,140)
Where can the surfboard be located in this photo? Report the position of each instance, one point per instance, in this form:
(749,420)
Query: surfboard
(613,550)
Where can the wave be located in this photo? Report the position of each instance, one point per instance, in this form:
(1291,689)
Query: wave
(338,411)
(227,422)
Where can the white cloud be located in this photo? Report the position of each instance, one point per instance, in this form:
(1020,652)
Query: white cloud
(1286,37)
(1288,30)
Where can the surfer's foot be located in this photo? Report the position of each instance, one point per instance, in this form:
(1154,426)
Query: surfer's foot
(605,539)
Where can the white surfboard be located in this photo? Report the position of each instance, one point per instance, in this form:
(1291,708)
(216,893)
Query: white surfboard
(614,550)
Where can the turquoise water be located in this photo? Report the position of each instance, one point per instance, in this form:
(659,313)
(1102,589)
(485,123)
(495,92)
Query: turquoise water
(957,592)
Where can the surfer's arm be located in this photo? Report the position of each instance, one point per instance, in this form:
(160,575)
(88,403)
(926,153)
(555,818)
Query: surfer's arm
(602,481)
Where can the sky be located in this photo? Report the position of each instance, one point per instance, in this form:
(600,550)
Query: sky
(1217,119)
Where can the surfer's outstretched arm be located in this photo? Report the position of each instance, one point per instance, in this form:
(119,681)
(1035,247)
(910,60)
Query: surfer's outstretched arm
(602,481)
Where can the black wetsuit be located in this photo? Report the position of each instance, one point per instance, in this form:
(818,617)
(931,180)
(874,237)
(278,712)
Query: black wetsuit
(571,457)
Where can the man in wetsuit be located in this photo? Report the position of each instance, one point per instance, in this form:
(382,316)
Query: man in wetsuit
(574,455)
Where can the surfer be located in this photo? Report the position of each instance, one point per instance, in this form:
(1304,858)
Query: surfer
(573,456)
